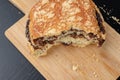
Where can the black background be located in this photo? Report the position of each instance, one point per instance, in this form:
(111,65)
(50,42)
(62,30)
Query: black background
(13,66)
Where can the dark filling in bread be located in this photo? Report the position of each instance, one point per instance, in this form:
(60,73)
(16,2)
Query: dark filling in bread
(99,19)
(27,31)
(73,33)
(42,41)
(102,28)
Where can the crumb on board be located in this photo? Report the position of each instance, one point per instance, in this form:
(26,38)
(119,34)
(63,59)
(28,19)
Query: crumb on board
(95,57)
(95,75)
(75,67)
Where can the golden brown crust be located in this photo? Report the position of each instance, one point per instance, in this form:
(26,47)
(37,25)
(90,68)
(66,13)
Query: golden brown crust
(51,17)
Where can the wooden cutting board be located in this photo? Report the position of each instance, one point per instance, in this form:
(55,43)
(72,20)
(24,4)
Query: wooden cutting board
(69,63)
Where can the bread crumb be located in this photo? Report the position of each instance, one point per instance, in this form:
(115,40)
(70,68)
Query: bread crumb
(95,58)
(116,19)
(108,13)
(95,75)
(75,67)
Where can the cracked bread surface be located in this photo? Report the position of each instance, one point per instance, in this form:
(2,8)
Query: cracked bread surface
(50,18)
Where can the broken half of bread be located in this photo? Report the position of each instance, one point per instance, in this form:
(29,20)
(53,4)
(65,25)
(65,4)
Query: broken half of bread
(68,22)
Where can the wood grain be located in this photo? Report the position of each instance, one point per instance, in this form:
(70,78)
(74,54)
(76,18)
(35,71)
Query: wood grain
(93,63)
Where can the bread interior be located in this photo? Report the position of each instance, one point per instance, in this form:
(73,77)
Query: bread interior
(72,37)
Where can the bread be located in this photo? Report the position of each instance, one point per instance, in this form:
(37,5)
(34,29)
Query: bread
(68,22)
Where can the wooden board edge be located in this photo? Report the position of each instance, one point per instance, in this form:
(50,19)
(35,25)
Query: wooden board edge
(29,58)
(7,30)
(13,3)
(110,27)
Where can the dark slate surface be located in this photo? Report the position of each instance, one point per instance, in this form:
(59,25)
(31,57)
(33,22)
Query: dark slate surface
(13,66)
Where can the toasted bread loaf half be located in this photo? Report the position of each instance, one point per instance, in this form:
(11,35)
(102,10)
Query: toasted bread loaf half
(69,22)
